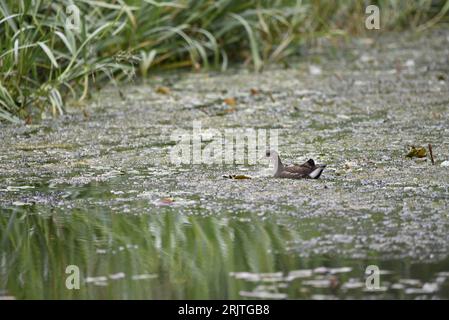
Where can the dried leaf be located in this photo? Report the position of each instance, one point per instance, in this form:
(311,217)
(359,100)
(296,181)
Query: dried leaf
(419,152)
(230,102)
(237,176)
(254,91)
(28,120)
(167,200)
(163,90)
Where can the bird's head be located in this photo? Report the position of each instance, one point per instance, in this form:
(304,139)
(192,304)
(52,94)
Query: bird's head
(271,154)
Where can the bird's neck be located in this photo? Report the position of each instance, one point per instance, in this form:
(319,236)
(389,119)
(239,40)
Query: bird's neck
(278,166)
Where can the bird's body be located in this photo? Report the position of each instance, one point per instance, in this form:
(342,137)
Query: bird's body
(307,170)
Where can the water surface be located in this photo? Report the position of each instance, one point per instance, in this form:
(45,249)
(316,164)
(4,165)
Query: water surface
(98,190)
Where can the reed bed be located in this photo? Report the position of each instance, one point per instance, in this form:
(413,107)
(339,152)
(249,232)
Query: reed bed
(44,63)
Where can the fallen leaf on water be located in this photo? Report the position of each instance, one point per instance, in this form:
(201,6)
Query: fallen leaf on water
(117,276)
(230,102)
(254,91)
(163,90)
(410,63)
(167,200)
(241,176)
(20,203)
(419,152)
(237,176)
(144,276)
(350,164)
(445,163)
(315,70)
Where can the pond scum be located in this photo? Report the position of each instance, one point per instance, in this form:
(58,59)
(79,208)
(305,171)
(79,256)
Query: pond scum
(98,192)
(44,62)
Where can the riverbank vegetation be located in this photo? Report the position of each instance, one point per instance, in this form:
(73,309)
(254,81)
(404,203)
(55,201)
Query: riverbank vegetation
(45,61)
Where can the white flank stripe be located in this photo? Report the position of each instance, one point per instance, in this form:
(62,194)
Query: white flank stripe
(315,173)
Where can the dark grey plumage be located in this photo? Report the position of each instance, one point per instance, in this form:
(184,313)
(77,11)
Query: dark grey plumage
(307,170)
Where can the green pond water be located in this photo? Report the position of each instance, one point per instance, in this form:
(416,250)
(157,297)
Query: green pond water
(99,190)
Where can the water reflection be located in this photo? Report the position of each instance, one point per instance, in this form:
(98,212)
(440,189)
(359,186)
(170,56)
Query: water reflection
(173,256)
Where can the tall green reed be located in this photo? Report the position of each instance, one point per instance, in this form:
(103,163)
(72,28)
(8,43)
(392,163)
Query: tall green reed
(43,63)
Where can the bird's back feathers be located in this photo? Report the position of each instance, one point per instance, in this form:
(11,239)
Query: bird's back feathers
(306,170)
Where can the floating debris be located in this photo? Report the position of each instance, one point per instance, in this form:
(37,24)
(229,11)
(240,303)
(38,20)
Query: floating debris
(20,203)
(350,164)
(237,176)
(273,287)
(117,276)
(410,282)
(295,274)
(144,276)
(321,270)
(340,270)
(431,154)
(163,90)
(18,188)
(410,63)
(258,277)
(427,288)
(96,279)
(230,102)
(410,189)
(254,91)
(353,284)
(397,286)
(417,152)
(165,202)
(318,283)
(314,70)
